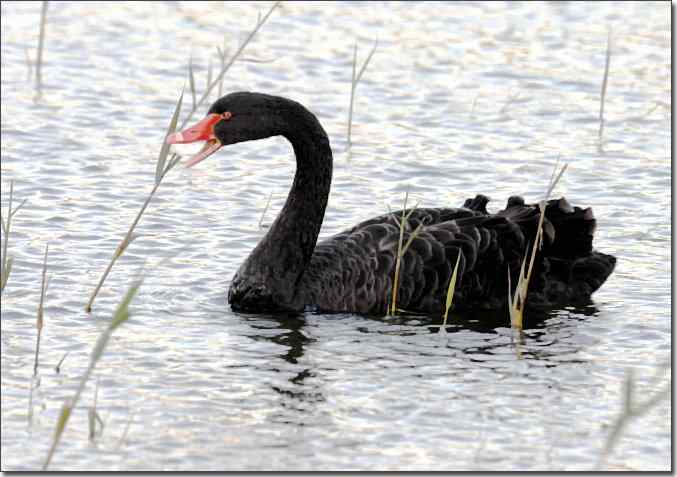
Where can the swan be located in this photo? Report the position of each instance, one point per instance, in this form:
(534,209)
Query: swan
(353,271)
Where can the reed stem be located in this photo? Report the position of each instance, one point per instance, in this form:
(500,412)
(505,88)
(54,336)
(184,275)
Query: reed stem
(161,169)
(353,85)
(120,316)
(224,69)
(6,262)
(39,322)
(41,43)
(604,85)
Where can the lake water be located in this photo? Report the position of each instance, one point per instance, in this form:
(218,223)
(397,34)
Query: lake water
(458,99)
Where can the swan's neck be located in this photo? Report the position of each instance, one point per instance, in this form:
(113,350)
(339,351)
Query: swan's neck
(269,277)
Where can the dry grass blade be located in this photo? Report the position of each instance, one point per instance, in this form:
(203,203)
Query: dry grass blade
(41,44)
(64,415)
(517,301)
(226,66)
(366,62)
(191,79)
(393,216)
(401,249)
(120,316)
(631,408)
(553,182)
(356,77)
(604,84)
(161,169)
(451,289)
(6,264)
(352,95)
(413,235)
(393,303)
(39,321)
(7,261)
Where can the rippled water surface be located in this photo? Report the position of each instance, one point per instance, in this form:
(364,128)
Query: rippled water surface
(458,99)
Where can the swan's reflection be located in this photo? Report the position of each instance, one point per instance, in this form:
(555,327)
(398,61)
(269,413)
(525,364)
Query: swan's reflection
(550,335)
(299,391)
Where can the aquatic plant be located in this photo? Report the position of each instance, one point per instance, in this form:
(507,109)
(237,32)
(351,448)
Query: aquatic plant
(120,316)
(41,44)
(161,169)
(516,303)
(633,408)
(353,84)
(225,67)
(191,81)
(7,261)
(163,166)
(401,250)
(603,93)
(39,321)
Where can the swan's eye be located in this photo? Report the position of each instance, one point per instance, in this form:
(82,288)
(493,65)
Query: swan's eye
(226,115)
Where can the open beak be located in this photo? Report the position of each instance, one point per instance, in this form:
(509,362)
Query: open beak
(202,131)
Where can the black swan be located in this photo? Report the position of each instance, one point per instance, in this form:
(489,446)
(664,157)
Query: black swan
(353,271)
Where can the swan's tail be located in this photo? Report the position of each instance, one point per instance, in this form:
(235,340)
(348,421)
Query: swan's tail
(570,256)
(568,269)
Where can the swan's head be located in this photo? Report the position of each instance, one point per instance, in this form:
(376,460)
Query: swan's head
(234,118)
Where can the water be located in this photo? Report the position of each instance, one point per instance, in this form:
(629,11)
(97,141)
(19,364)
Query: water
(458,99)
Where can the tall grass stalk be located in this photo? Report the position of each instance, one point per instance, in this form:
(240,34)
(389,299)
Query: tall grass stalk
(163,166)
(632,407)
(225,67)
(7,261)
(604,83)
(120,316)
(516,303)
(41,44)
(401,250)
(353,85)
(191,79)
(39,321)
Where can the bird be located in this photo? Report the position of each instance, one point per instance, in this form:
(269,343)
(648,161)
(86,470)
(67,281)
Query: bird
(353,271)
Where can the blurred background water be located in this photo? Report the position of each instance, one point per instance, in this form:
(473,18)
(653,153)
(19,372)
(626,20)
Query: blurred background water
(459,99)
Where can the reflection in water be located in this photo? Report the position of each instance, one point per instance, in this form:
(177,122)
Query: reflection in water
(301,392)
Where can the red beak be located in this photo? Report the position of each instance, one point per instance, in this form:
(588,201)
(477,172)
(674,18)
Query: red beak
(202,131)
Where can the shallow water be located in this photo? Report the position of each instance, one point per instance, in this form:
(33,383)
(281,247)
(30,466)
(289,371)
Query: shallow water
(459,99)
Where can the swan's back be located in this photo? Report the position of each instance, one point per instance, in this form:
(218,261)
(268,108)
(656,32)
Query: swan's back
(353,271)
